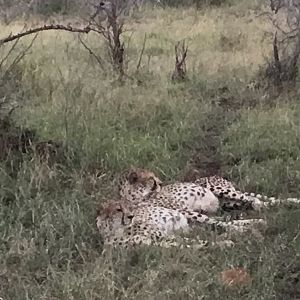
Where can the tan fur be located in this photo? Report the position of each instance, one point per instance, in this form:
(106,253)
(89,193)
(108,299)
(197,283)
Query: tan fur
(123,224)
(190,199)
(207,194)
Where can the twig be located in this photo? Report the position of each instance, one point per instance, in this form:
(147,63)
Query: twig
(69,28)
(20,56)
(99,60)
(142,53)
(9,53)
(180,61)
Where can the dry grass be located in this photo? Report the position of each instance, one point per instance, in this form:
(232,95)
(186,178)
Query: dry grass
(49,248)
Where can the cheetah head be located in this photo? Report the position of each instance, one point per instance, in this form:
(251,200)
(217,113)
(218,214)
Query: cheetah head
(113,216)
(138,183)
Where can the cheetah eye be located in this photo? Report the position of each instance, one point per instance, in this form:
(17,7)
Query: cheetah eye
(119,209)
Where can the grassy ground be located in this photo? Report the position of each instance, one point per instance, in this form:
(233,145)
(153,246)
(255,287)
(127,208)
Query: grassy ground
(49,247)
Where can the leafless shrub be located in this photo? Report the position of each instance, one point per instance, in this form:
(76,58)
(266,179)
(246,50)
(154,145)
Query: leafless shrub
(107,21)
(9,89)
(180,61)
(282,69)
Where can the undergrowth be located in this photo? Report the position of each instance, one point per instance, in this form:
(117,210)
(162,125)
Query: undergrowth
(49,247)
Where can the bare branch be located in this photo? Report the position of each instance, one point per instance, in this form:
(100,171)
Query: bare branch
(69,28)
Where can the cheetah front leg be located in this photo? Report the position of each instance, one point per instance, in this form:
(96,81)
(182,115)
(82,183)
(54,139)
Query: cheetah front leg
(185,242)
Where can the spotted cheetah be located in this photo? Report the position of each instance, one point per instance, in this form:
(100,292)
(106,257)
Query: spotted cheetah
(190,199)
(138,184)
(124,224)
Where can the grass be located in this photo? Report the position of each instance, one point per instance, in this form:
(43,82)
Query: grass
(49,247)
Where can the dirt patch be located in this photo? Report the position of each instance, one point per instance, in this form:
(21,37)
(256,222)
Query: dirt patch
(16,141)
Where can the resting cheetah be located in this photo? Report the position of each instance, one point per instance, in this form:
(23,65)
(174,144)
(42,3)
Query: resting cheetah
(190,199)
(123,224)
(138,184)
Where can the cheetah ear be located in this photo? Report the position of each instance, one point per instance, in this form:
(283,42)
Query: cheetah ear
(132,177)
(158,181)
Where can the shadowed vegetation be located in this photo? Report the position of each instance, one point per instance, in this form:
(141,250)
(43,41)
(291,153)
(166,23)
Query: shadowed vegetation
(212,122)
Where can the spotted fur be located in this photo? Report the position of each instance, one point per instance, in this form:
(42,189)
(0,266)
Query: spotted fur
(138,185)
(207,194)
(124,224)
(190,199)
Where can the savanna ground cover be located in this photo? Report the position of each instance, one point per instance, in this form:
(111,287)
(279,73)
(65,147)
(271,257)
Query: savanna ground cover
(212,122)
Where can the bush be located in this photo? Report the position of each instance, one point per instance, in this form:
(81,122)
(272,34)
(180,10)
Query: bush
(52,6)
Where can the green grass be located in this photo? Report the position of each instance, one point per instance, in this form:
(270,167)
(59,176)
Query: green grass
(49,246)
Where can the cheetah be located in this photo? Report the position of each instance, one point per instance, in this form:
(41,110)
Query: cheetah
(138,184)
(190,199)
(203,195)
(123,224)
